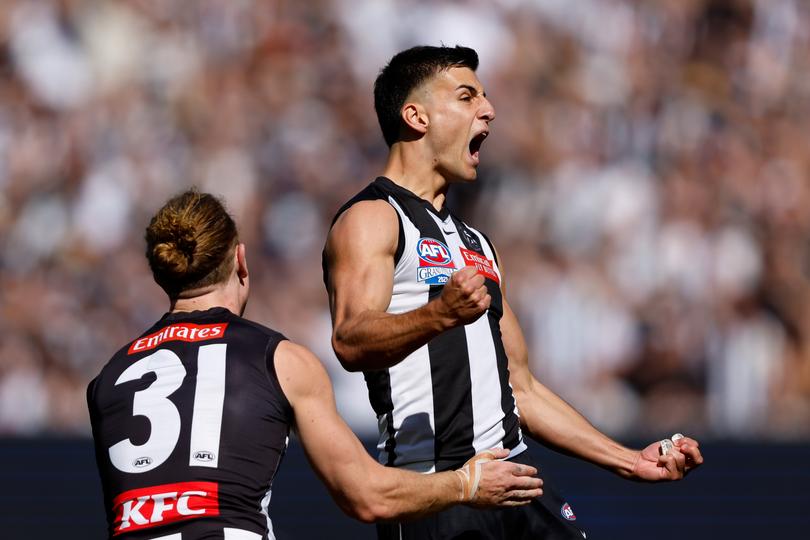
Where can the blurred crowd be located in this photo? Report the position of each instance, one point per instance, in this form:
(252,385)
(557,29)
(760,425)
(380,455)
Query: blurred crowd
(647,184)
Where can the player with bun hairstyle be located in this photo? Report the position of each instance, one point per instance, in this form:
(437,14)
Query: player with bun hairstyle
(191,419)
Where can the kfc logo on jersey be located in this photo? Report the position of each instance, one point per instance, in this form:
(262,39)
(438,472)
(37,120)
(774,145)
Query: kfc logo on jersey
(567,512)
(178,332)
(138,509)
(435,262)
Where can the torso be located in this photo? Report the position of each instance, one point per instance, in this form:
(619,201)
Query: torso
(450,398)
(190,425)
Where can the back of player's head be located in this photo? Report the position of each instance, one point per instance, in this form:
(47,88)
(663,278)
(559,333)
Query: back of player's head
(190,243)
(406,71)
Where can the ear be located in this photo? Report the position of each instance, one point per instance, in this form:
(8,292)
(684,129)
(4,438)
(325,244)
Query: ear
(415,117)
(240,263)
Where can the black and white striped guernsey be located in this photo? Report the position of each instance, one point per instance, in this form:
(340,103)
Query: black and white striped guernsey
(450,398)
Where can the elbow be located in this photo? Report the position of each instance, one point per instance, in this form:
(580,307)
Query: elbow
(370,511)
(347,354)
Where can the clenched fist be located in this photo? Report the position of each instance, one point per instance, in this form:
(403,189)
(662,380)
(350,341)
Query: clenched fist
(464,298)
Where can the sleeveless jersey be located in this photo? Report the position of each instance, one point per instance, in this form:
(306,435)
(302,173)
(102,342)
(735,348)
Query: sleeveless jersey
(190,425)
(450,398)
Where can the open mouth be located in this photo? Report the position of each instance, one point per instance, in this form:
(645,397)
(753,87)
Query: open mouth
(475,144)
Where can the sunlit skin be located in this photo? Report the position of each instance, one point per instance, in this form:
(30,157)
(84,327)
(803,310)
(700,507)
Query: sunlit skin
(442,117)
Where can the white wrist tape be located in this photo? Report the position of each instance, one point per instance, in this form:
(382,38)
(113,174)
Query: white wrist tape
(470,474)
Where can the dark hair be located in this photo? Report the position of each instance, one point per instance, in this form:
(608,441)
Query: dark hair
(406,71)
(190,243)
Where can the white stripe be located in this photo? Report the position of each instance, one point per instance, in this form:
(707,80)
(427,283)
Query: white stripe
(208,400)
(490,253)
(412,397)
(408,294)
(411,387)
(488,415)
(265,505)
(241,534)
(486,403)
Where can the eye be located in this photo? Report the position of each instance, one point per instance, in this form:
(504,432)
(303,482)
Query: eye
(466,97)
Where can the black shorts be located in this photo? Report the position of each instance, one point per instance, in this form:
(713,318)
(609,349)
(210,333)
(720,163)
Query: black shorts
(548,517)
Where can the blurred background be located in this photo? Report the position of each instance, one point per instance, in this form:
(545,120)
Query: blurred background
(647,184)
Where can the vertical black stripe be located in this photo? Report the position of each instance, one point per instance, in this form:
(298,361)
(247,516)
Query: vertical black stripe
(379,394)
(449,368)
(511,423)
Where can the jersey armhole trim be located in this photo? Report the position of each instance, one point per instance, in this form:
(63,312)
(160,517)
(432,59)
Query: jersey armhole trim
(491,246)
(400,238)
(270,366)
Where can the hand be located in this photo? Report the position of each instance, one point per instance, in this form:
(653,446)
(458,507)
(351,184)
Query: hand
(486,482)
(653,466)
(464,297)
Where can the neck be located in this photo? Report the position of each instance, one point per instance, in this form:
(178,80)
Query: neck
(411,167)
(206,298)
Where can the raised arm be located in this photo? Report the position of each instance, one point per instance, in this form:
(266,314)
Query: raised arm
(360,257)
(552,421)
(363,488)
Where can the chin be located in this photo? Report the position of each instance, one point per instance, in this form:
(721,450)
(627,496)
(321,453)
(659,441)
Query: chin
(464,176)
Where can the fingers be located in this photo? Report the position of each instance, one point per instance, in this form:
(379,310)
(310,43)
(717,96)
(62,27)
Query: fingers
(672,465)
(690,448)
(524,470)
(498,453)
(523,496)
(466,295)
(466,274)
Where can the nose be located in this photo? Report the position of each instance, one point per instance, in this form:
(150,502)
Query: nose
(487,111)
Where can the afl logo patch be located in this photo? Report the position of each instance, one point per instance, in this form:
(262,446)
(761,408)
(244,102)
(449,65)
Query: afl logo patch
(433,252)
(567,512)
(142,462)
(204,455)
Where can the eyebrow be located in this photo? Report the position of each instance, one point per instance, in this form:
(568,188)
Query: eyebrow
(473,90)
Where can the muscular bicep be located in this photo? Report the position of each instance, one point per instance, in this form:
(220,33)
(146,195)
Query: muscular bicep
(337,456)
(360,257)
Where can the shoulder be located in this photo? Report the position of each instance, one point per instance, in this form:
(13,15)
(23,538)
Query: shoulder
(299,371)
(375,191)
(371,224)
(247,325)
(368,214)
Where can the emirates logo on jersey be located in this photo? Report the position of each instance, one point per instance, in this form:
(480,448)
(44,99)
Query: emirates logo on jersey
(178,332)
(138,509)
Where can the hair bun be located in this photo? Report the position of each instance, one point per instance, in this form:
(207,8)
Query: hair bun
(189,242)
(175,252)
(186,244)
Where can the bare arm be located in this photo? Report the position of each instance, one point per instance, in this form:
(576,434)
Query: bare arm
(360,255)
(551,420)
(363,488)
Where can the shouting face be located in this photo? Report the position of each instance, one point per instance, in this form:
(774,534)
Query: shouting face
(457,114)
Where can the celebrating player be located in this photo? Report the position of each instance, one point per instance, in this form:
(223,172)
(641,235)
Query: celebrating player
(417,304)
(190,420)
